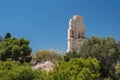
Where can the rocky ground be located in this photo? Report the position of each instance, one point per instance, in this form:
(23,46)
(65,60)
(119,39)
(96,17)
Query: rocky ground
(46,65)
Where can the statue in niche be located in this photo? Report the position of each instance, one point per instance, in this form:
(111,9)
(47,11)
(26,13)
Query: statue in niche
(80,35)
(72,34)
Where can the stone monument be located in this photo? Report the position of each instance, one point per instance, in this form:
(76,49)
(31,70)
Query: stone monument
(76,33)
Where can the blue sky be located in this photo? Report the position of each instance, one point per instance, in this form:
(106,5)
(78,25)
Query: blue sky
(45,22)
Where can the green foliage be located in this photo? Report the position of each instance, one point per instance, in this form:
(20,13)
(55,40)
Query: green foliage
(8,35)
(1,38)
(17,49)
(76,69)
(106,50)
(40,75)
(117,70)
(70,55)
(15,71)
(97,58)
(45,55)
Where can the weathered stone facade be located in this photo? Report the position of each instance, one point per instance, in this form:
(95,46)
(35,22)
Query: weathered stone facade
(76,33)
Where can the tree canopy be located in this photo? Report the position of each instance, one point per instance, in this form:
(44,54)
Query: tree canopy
(14,48)
(76,69)
(8,35)
(10,70)
(50,55)
(98,58)
(106,50)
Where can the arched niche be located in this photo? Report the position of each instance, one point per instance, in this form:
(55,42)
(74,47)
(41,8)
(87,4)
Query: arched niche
(72,33)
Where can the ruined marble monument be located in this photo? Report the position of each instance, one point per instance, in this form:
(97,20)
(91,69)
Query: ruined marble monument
(76,33)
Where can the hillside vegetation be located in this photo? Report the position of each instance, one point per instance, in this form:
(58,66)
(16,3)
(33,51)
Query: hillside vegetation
(97,59)
(106,50)
(47,55)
